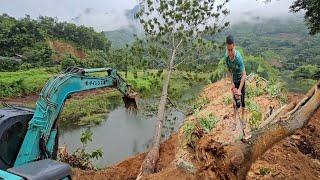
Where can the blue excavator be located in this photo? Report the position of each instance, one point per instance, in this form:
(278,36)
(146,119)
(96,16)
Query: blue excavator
(29,137)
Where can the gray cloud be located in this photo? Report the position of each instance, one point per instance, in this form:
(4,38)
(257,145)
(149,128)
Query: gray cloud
(110,15)
(253,10)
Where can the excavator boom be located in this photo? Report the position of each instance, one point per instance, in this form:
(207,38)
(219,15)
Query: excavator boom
(40,139)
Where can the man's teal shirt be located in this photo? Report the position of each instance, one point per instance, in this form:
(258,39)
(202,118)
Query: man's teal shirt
(236,66)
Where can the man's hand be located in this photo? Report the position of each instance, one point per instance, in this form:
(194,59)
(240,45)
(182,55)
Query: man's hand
(235,91)
(238,92)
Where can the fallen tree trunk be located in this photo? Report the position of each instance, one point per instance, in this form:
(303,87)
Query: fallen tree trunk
(150,160)
(233,161)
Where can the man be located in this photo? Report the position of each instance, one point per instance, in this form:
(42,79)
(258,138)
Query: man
(237,73)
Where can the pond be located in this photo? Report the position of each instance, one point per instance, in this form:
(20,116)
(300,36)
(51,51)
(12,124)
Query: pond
(125,134)
(122,135)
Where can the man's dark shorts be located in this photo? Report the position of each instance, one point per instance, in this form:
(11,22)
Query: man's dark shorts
(243,93)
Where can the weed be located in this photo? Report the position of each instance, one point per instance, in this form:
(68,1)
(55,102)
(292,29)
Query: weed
(209,122)
(264,171)
(227,100)
(80,158)
(256,114)
(189,129)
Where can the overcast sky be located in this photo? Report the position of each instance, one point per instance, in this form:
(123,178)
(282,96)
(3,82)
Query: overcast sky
(109,14)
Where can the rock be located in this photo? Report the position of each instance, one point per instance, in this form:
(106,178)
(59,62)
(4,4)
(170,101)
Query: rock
(185,165)
(296,137)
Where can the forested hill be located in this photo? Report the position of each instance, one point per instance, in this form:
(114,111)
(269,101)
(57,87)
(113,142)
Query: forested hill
(286,42)
(37,41)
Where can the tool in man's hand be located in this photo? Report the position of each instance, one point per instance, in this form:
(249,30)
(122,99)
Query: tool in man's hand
(237,98)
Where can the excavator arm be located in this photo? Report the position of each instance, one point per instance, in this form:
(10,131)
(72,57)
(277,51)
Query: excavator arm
(39,140)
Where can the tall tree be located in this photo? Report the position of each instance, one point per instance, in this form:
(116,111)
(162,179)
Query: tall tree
(312,15)
(174,24)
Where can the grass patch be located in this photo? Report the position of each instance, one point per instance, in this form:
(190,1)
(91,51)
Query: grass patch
(189,129)
(209,122)
(21,83)
(227,100)
(264,171)
(256,114)
(89,110)
(200,103)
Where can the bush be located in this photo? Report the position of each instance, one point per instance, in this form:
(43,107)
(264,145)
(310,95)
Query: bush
(189,129)
(80,158)
(209,122)
(8,64)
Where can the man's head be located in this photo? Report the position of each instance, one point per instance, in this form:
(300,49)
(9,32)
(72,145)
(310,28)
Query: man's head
(230,46)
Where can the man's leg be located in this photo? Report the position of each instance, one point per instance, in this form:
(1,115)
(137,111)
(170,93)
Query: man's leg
(234,126)
(242,114)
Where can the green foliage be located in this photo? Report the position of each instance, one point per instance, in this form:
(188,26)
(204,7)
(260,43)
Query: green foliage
(69,61)
(264,171)
(86,137)
(312,16)
(306,72)
(253,91)
(80,158)
(94,59)
(200,103)
(189,129)
(227,100)
(179,16)
(220,71)
(256,114)
(8,64)
(207,123)
(274,89)
(30,38)
(90,110)
(258,65)
(285,42)
(23,82)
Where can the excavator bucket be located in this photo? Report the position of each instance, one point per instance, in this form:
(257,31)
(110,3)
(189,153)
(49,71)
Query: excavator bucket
(130,101)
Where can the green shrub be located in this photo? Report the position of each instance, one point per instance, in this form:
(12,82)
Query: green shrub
(264,171)
(209,122)
(256,114)
(227,100)
(189,130)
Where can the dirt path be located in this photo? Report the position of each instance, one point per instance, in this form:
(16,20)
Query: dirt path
(296,157)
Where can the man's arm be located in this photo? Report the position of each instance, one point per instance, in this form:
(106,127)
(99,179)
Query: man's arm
(243,78)
(230,76)
(243,75)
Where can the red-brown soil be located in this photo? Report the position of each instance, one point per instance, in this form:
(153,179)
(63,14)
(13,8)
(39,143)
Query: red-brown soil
(295,157)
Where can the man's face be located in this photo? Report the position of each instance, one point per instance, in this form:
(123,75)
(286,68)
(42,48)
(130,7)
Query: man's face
(230,50)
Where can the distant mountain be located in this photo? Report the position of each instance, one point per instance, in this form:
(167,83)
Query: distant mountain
(123,36)
(119,38)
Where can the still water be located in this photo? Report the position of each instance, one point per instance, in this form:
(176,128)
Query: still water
(122,134)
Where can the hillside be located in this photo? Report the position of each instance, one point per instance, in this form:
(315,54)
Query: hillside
(296,156)
(45,41)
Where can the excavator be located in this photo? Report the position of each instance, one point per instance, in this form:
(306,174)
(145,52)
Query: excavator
(29,137)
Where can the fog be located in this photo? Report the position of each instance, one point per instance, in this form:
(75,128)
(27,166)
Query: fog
(108,15)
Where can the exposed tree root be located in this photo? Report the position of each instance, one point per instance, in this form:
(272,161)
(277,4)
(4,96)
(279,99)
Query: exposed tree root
(232,161)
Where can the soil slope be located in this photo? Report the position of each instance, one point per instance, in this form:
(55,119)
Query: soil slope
(295,157)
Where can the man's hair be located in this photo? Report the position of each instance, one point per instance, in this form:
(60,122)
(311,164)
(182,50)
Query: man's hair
(229,40)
